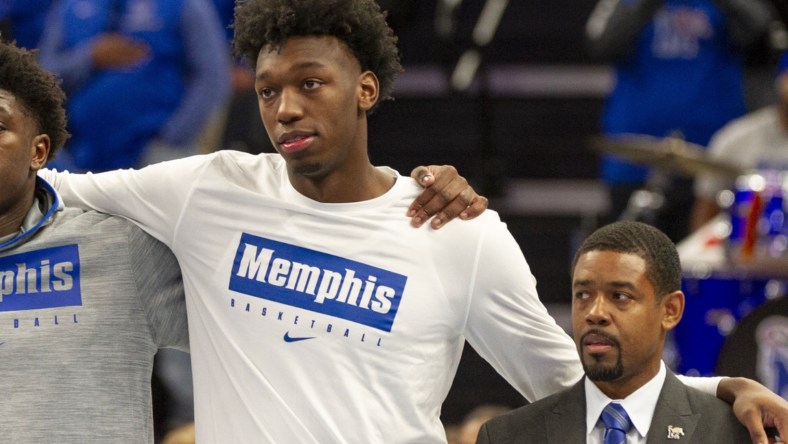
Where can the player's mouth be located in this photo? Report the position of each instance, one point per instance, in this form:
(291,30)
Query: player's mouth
(295,141)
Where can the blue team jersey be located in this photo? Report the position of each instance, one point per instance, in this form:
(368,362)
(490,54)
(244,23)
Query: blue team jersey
(115,113)
(683,78)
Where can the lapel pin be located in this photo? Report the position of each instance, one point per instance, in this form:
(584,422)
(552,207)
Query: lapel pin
(675,432)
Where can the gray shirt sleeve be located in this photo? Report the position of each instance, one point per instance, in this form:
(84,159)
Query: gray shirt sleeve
(160,289)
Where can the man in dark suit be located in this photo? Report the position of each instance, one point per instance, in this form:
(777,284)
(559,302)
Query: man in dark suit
(626,297)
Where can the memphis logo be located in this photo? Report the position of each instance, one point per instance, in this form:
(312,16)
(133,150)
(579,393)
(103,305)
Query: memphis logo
(40,279)
(316,281)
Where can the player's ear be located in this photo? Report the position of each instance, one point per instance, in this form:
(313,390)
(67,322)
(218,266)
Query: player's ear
(39,151)
(369,90)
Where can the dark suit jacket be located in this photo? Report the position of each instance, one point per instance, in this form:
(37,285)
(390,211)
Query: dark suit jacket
(561,419)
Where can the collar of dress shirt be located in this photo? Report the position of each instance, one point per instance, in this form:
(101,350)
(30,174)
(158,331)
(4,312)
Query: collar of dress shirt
(639,405)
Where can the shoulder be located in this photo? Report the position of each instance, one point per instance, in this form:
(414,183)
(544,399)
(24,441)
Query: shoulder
(239,161)
(674,388)
(524,421)
(711,406)
(262,172)
(739,130)
(244,157)
(715,417)
(103,228)
(91,221)
(408,190)
(116,242)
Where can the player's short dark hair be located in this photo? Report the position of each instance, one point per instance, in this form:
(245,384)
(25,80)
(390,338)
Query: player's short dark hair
(663,267)
(360,24)
(38,91)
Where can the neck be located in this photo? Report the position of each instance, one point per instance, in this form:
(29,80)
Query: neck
(350,178)
(628,384)
(364,184)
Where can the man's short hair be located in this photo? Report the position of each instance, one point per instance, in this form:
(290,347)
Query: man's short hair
(37,90)
(360,24)
(663,267)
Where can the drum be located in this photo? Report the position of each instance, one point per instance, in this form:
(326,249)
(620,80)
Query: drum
(731,266)
(757,216)
(715,304)
(758,347)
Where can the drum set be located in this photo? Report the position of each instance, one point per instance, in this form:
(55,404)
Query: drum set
(733,266)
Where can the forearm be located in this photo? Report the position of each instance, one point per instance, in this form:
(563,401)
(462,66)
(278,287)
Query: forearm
(748,19)
(613,28)
(729,387)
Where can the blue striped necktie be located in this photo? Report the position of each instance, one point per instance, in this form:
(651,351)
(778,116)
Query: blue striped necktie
(617,424)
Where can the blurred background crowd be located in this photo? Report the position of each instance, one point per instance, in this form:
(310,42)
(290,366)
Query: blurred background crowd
(567,113)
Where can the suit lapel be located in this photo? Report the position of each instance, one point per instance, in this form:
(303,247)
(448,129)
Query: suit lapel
(565,422)
(673,411)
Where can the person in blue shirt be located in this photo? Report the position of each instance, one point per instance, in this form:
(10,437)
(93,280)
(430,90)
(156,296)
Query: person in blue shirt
(143,77)
(679,72)
(25,20)
(235,125)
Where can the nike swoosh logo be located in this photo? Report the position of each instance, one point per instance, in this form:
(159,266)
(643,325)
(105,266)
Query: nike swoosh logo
(289,338)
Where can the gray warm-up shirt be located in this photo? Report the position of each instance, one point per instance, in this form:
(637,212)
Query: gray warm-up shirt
(86,299)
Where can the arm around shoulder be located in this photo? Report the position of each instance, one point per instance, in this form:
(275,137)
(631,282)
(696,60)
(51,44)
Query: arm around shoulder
(153,197)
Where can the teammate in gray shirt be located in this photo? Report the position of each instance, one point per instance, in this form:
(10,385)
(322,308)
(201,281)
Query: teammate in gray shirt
(86,299)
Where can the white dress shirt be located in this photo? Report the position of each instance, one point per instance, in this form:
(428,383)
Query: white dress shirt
(639,405)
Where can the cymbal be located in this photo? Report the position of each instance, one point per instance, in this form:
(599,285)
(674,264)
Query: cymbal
(668,153)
